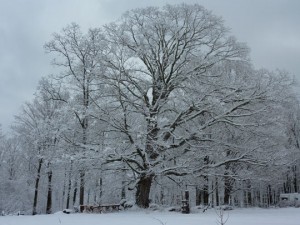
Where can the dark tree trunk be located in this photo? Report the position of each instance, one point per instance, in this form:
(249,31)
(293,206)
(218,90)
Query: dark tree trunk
(49,195)
(64,188)
(198,196)
(84,142)
(288,184)
(88,197)
(143,191)
(36,191)
(152,149)
(81,190)
(69,185)
(249,195)
(270,197)
(162,196)
(123,191)
(295,182)
(204,192)
(227,192)
(217,193)
(205,195)
(228,183)
(75,191)
(100,189)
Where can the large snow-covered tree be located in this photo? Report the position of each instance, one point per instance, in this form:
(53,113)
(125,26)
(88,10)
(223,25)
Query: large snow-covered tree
(177,77)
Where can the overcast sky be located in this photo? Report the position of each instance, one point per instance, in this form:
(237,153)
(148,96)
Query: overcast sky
(271,28)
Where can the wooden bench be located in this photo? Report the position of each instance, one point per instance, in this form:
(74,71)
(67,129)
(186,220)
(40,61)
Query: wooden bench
(100,208)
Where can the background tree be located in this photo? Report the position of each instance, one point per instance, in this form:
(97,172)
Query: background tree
(39,127)
(77,56)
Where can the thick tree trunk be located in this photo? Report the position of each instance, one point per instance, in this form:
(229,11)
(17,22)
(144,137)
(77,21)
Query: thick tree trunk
(36,191)
(143,191)
(144,184)
(49,194)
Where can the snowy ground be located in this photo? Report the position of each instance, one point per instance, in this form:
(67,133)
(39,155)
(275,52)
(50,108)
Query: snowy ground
(286,216)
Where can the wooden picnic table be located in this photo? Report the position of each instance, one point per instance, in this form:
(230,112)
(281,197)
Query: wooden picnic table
(100,208)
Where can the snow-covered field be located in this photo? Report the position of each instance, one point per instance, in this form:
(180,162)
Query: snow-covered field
(286,216)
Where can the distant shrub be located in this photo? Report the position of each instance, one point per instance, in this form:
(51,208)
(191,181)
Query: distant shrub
(289,203)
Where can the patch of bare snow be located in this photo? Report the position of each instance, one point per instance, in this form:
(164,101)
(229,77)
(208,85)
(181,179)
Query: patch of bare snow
(253,216)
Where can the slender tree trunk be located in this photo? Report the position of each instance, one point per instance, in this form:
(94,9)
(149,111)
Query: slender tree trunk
(84,142)
(210,191)
(204,192)
(95,191)
(241,194)
(228,182)
(270,197)
(69,186)
(143,191)
(75,192)
(162,195)
(261,196)
(81,190)
(100,189)
(295,182)
(49,195)
(215,193)
(36,191)
(249,199)
(123,191)
(198,196)
(88,196)
(64,189)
